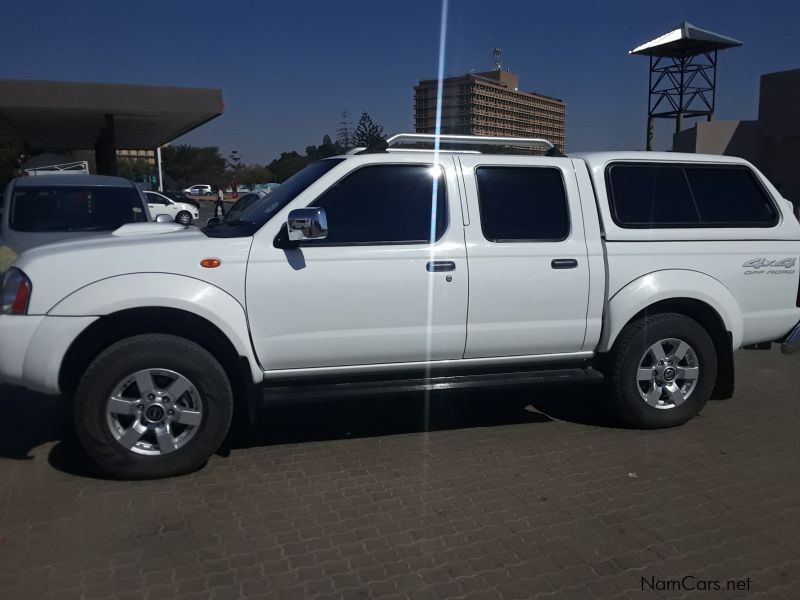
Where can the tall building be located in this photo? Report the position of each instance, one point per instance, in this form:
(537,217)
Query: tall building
(490,103)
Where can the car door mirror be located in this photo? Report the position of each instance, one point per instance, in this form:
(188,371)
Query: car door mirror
(163,219)
(307,224)
(213,222)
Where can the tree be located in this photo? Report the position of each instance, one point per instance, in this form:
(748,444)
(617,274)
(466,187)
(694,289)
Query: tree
(136,170)
(287,165)
(344,135)
(186,165)
(325,150)
(367,132)
(252,174)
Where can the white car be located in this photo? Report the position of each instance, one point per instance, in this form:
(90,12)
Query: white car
(198,190)
(391,270)
(39,210)
(181,212)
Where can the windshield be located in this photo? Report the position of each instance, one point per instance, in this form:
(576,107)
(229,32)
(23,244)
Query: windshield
(74,208)
(241,204)
(254,216)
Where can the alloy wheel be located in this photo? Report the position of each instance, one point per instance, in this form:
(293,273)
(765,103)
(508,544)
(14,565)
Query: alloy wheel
(667,373)
(154,412)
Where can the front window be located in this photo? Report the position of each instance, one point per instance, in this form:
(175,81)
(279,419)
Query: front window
(385,204)
(74,208)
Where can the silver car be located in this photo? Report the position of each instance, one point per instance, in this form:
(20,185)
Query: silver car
(42,209)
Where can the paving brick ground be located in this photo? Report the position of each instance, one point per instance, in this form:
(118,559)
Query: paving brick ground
(355,500)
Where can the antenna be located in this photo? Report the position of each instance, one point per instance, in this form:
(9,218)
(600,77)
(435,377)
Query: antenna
(498,63)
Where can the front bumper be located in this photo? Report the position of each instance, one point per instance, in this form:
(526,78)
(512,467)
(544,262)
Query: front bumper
(16,333)
(32,348)
(791,343)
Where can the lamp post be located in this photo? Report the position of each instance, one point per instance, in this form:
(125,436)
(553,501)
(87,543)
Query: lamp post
(160,172)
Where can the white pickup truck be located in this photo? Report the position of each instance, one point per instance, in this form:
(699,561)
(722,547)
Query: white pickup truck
(397,268)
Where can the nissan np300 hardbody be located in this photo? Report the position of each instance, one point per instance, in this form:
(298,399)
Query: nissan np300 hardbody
(406,268)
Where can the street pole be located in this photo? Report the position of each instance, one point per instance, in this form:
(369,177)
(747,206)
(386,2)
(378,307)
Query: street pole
(160,174)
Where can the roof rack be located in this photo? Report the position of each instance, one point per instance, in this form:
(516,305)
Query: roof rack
(392,143)
(471,140)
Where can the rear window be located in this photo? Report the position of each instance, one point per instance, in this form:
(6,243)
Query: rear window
(74,208)
(522,204)
(673,195)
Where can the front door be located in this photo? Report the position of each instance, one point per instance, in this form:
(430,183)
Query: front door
(376,291)
(528,260)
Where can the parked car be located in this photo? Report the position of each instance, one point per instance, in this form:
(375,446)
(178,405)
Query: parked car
(181,197)
(56,207)
(266,187)
(241,189)
(181,212)
(198,190)
(393,270)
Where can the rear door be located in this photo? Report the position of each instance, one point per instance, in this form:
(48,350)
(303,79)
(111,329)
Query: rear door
(528,263)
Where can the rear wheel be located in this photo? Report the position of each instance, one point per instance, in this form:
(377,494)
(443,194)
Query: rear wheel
(661,371)
(153,406)
(184,218)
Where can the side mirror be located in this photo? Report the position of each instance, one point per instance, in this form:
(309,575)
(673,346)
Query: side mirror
(213,222)
(307,224)
(163,219)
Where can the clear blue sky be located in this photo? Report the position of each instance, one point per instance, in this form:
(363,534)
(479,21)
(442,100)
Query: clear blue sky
(288,69)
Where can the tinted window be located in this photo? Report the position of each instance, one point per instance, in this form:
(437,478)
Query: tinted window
(74,208)
(661,196)
(385,204)
(522,204)
(649,194)
(730,196)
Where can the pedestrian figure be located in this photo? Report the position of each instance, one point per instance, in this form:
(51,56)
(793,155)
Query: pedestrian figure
(219,206)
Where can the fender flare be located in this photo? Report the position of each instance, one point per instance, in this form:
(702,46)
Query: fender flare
(154,290)
(668,285)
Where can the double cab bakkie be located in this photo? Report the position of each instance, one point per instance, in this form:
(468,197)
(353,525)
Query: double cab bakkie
(406,266)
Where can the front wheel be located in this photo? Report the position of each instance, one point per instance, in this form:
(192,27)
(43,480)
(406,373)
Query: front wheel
(661,371)
(184,218)
(153,406)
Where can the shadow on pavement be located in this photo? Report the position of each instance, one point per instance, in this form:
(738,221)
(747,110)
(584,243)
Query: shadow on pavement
(413,413)
(29,420)
(33,419)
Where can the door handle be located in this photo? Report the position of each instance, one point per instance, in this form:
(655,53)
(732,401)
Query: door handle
(564,263)
(439,266)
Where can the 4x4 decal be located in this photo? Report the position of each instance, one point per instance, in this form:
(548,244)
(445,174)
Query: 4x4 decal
(759,266)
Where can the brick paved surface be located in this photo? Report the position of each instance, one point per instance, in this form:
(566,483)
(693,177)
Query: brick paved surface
(354,500)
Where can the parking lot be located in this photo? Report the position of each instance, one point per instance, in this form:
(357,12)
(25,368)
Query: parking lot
(520,494)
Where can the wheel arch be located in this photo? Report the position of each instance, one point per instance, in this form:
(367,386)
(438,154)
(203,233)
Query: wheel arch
(683,288)
(119,325)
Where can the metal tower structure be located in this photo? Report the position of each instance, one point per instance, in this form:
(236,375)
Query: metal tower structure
(498,63)
(683,74)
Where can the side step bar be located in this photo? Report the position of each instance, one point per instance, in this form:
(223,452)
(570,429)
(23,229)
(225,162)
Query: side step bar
(273,394)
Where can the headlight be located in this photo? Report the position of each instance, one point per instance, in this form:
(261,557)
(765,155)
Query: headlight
(16,293)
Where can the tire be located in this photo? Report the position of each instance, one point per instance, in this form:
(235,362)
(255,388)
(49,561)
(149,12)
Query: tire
(184,218)
(201,408)
(667,398)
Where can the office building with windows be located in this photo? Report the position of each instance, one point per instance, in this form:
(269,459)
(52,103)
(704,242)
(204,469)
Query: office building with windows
(491,104)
